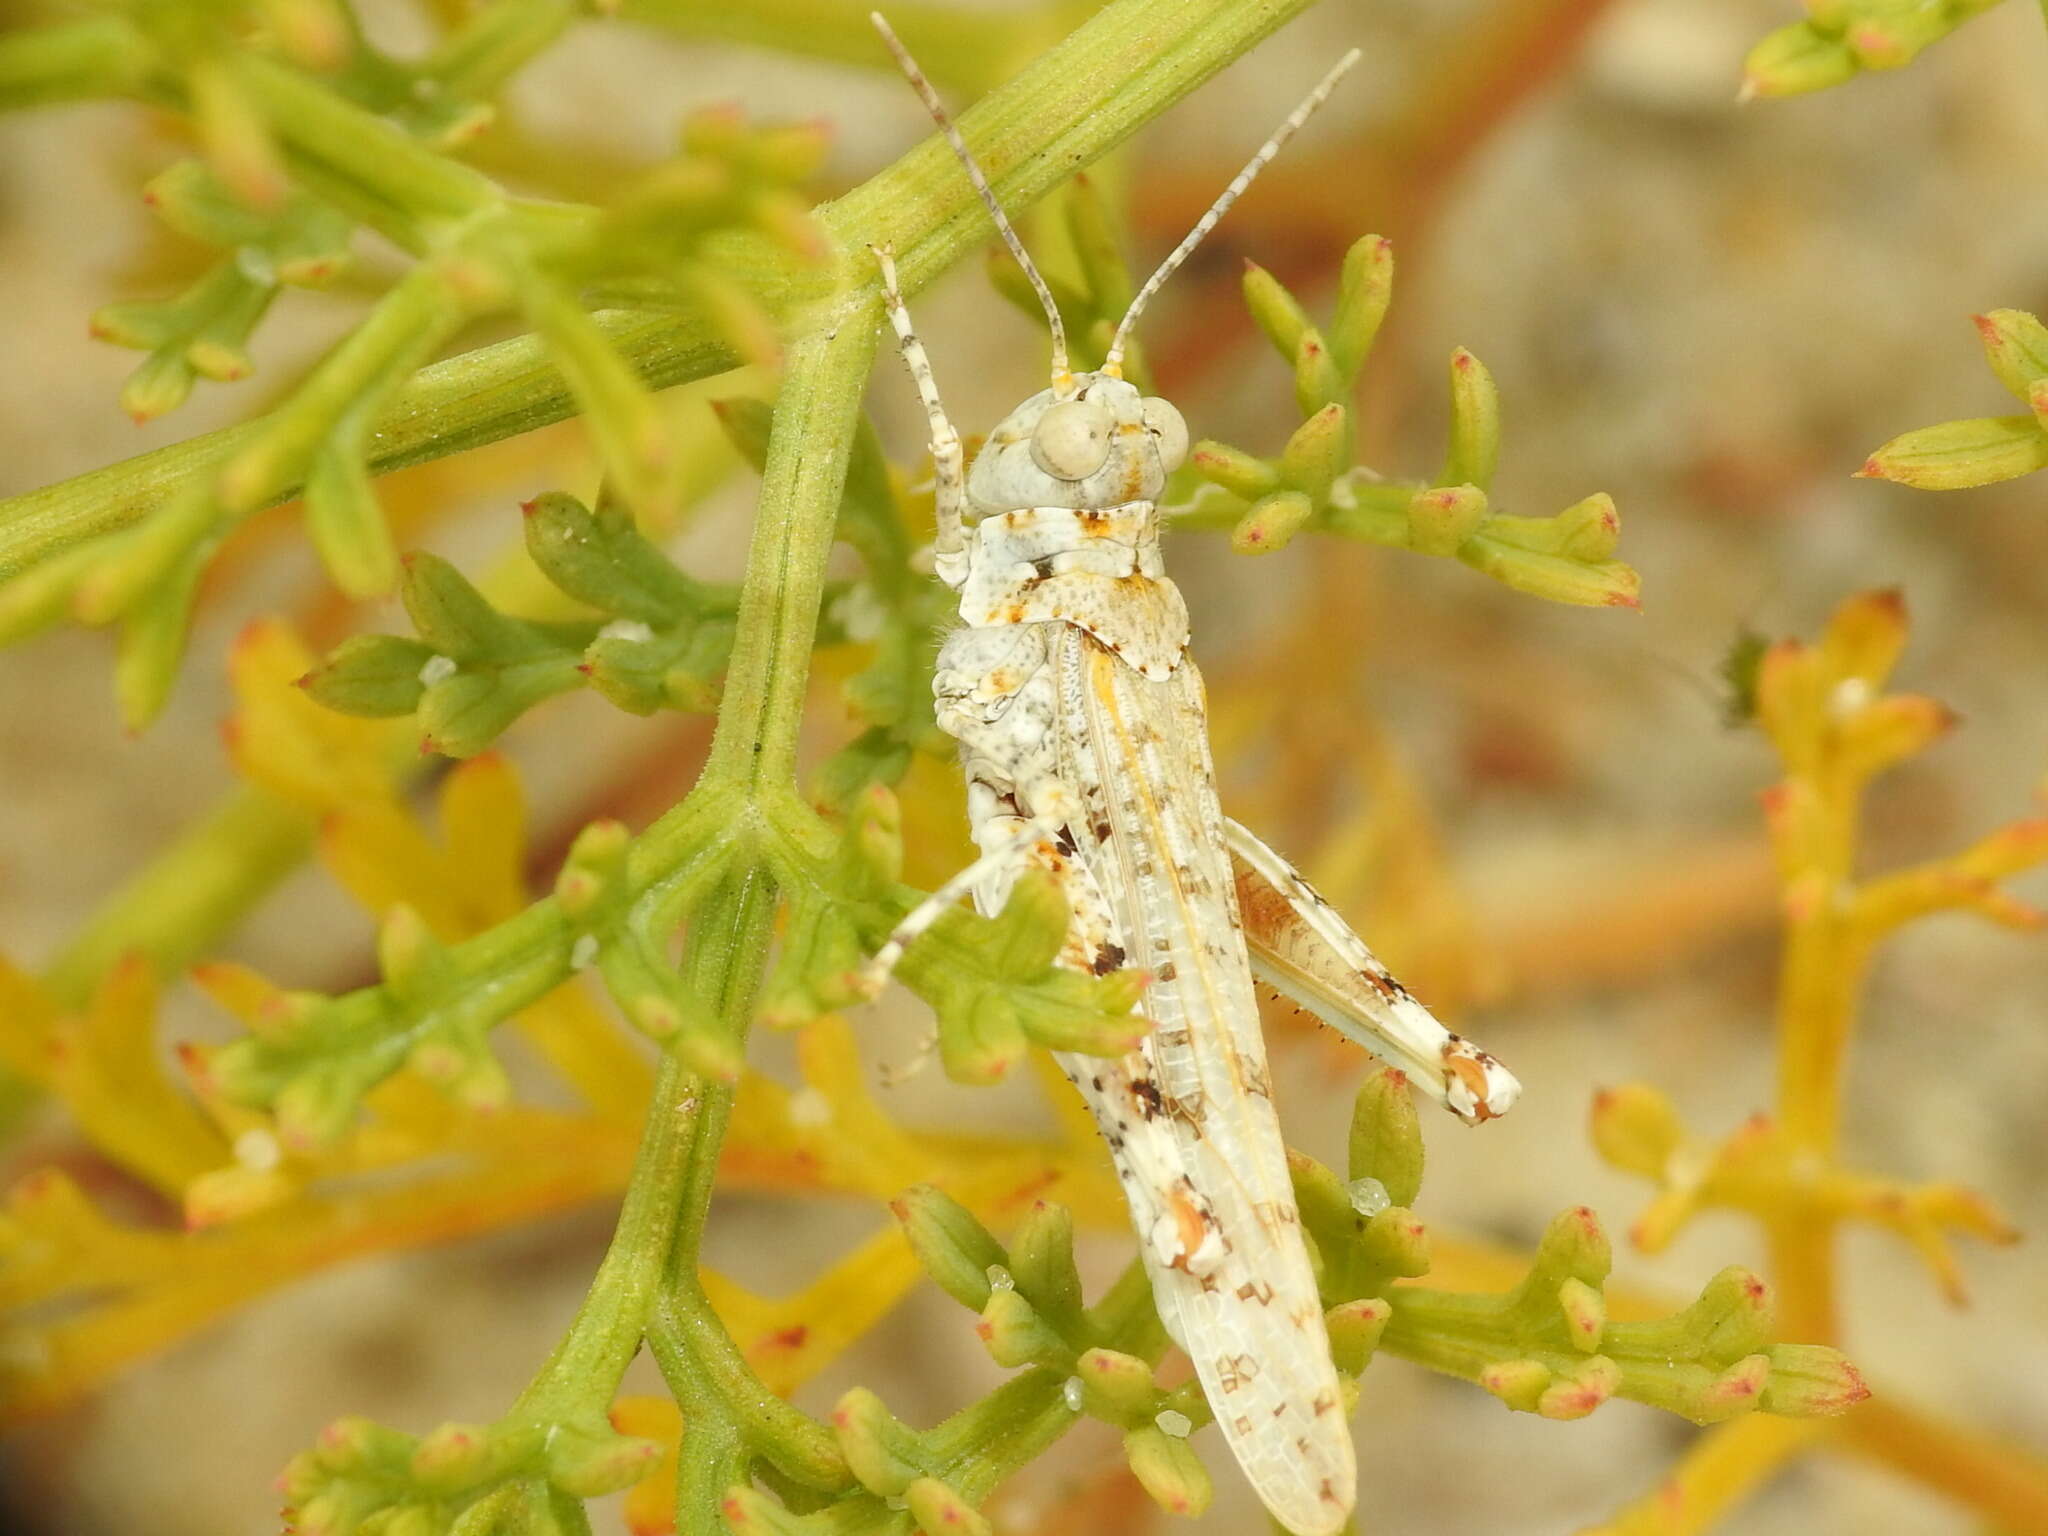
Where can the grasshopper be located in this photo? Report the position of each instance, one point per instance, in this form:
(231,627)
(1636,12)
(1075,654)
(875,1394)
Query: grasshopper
(1084,742)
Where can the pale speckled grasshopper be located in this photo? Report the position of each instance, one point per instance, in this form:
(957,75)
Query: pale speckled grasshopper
(1083,738)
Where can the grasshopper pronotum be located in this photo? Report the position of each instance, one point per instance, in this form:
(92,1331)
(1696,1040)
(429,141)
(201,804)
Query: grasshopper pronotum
(1083,738)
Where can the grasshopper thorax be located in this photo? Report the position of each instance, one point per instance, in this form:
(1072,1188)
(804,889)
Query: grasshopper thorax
(1096,444)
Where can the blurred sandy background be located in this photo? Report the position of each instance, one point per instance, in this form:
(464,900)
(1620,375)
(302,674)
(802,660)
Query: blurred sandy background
(1712,312)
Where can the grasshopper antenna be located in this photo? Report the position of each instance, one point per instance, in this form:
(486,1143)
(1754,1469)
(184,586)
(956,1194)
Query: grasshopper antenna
(1112,364)
(1062,373)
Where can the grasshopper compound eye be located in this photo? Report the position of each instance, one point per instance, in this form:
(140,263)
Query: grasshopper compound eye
(1072,440)
(1169,432)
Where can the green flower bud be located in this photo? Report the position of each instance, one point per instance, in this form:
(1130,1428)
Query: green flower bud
(602,559)
(375,676)
(1386,1135)
(313,1108)
(334,1511)
(455,1457)
(939,1511)
(1271,523)
(1363,293)
(349,525)
(1240,473)
(1577,1392)
(355,1445)
(1275,310)
(708,1046)
(1475,424)
(750,1512)
(1894,41)
(154,630)
(955,1249)
(1441,519)
(2016,346)
(1518,1383)
(880,1452)
(483,1083)
(871,855)
(1957,455)
(588,1464)
(1608,585)
(1811,1381)
(1326,1209)
(983,1042)
(1033,924)
(405,1520)
(1591,529)
(1585,1314)
(1168,1469)
(1355,1328)
(1576,1245)
(1317,382)
(1636,1129)
(1042,1263)
(1015,1334)
(1118,1386)
(1396,1243)
(593,877)
(1794,60)
(1732,1317)
(1318,452)
(159,386)
(463,714)
(415,965)
(453,617)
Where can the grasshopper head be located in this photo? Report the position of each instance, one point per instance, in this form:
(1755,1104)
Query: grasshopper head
(1096,445)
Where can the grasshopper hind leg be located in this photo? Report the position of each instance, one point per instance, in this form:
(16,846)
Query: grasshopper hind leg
(1301,948)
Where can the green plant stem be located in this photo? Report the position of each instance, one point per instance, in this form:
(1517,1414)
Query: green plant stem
(586,1365)
(970,50)
(817,413)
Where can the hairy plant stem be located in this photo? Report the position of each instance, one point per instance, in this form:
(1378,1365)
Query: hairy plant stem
(970,50)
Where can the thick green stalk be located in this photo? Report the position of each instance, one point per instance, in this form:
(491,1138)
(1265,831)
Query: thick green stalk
(969,50)
(817,412)
(586,1365)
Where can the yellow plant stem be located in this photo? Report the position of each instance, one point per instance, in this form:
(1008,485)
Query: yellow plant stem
(220,1271)
(1723,1467)
(2005,1483)
(1825,962)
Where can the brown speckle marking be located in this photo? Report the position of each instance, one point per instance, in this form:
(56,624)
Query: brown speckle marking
(1233,1371)
(1256,1290)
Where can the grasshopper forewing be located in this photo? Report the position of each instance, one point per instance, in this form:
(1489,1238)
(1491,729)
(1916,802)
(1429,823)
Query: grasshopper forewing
(1084,742)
